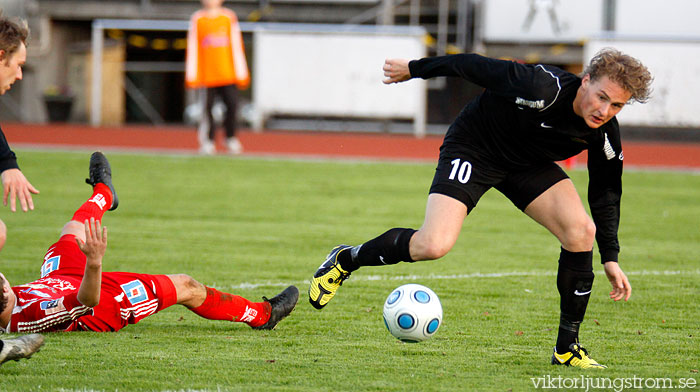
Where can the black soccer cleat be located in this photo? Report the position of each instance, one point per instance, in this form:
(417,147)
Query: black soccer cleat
(281,305)
(101,172)
(20,347)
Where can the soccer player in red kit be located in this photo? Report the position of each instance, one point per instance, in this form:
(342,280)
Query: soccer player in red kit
(73,294)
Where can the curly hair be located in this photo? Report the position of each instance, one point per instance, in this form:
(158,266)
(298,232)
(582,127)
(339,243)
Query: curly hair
(625,70)
(3,297)
(12,34)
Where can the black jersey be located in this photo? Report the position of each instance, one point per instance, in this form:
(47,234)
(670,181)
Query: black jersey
(525,116)
(8,160)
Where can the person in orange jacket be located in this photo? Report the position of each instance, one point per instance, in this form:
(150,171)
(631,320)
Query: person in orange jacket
(216,62)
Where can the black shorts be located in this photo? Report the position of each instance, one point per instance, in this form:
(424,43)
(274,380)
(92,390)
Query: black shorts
(465,174)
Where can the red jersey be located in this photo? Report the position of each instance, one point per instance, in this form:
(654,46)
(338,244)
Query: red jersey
(51,303)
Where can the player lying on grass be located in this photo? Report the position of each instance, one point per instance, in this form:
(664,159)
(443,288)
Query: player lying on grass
(73,294)
(509,138)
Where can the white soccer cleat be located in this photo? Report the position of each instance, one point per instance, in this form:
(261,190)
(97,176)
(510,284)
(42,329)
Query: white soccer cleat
(207,148)
(234,146)
(20,347)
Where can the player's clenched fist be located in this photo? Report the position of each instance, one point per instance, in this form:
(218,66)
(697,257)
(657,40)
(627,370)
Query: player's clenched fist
(396,70)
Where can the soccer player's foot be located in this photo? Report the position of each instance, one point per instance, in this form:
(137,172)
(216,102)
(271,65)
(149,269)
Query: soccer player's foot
(577,356)
(328,277)
(20,347)
(234,146)
(280,306)
(207,148)
(101,172)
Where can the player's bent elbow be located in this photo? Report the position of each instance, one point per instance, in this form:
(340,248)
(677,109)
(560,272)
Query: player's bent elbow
(89,302)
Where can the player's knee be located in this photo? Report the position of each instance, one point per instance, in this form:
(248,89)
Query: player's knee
(74,228)
(580,236)
(189,291)
(188,282)
(431,249)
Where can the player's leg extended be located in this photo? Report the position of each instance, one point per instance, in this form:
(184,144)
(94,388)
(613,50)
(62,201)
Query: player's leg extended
(443,221)
(213,304)
(560,210)
(103,198)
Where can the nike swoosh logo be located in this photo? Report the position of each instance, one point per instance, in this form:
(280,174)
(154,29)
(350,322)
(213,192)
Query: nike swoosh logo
(576,292)
(543,125)
(381,259)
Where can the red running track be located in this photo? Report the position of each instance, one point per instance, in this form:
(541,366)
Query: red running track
(179,139)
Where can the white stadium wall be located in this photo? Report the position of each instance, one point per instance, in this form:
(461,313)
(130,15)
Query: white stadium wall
(648,17)
(317,70)
(552,21)
(572,21)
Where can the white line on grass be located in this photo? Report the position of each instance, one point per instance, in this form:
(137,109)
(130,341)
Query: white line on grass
(475,275)
(296,157)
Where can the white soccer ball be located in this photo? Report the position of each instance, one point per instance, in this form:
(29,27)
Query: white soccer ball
(412,313)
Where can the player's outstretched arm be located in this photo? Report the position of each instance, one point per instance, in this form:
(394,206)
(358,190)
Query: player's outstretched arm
(621,287)
(94,249)
(396,71)
(16,186)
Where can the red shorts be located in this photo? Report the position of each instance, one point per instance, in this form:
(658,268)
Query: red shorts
(125,297)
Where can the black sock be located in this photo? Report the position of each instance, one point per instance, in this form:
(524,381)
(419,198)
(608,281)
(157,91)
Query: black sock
(389,248)
(574,281)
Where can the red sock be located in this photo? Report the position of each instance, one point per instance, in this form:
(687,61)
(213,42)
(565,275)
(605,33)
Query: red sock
(224,306)
(95,207)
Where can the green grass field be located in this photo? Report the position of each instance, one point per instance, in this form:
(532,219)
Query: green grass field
(253,226)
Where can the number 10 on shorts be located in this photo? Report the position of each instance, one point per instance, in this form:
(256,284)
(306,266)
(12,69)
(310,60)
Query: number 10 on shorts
(461,170)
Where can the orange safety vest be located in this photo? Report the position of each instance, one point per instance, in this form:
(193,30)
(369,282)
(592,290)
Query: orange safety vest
(215,53)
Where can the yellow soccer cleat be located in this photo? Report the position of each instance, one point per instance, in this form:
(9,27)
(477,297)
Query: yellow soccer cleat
(328,277)
(576,356)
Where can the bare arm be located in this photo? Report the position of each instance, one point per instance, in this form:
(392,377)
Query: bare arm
(94,249)
(16,186)
(396,70)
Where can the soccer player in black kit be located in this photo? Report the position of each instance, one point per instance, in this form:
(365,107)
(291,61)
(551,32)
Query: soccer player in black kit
(509,138)
(13,55)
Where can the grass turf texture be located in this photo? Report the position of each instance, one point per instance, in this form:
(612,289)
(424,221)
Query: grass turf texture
(251,226)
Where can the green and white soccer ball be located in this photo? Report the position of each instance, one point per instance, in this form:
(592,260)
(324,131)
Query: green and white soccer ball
(412,313)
